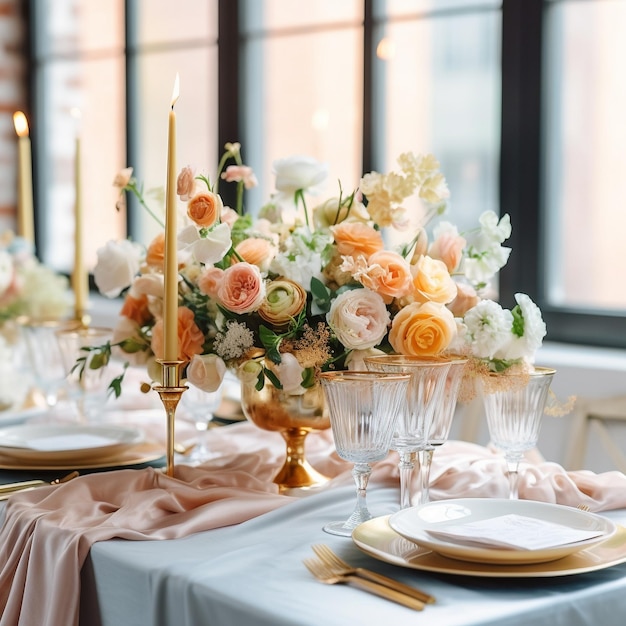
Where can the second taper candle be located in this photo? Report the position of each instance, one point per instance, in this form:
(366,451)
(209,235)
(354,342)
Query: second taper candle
(170,307)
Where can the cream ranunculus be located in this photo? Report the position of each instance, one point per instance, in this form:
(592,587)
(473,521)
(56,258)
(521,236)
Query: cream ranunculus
(284,300)
(206,372)
(422,329)
(118,263)
(359,318)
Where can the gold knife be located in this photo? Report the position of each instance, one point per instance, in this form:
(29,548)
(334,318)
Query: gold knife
(9,489)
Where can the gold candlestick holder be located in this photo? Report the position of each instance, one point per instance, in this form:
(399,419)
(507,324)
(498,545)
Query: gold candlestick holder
(170,392)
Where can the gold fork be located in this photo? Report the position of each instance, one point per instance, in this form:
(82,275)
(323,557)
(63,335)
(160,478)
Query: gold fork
(327,576)
(583,507)
(341,568)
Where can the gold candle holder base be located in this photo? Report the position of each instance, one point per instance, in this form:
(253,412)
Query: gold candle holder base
(170,392)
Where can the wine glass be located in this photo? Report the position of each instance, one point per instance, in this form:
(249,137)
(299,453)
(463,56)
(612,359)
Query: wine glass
(426,392)
(514,405)
(442,422)
(363,409)
(199,406)
(83,353)
(44,356)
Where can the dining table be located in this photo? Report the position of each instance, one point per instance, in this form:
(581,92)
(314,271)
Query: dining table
(248,568)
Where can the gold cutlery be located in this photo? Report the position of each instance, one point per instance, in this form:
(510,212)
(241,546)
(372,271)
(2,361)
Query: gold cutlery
(583,507)
(326,575)
(340,567)
(26,485)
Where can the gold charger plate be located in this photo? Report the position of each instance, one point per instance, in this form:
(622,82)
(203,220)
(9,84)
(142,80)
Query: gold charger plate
(143,453)
(376,538)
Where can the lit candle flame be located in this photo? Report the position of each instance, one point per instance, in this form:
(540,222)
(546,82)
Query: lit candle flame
(20,123)
(176,91)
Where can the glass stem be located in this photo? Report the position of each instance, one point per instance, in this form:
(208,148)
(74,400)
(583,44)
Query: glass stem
(405,468)
(426,459)
(513,474)
(361,474)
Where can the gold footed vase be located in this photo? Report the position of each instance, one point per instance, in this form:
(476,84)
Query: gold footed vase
(294,417)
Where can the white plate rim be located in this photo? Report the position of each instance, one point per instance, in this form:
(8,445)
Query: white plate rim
(409,524)
(377,539)
(121,437)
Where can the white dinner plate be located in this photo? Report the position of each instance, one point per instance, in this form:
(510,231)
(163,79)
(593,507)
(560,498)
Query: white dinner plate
(377,539)
(65,443)
(417,523)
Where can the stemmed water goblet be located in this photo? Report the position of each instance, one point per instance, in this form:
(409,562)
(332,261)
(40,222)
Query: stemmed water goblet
(200,406)
(363,409)
(442,422)
(514,405)
(425,394)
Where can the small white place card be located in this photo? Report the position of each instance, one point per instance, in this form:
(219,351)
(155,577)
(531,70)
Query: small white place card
(513,532)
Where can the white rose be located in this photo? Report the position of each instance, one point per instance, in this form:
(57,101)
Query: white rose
(118,263)
(359,318)
(206,372)
(299,173)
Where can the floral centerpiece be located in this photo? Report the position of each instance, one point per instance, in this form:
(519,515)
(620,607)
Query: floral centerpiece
(27,287)
(298,290)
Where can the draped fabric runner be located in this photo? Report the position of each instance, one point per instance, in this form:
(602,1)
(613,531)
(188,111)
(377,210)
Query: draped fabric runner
(48,532)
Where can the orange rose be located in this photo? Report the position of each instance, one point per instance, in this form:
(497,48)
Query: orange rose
(354,238)
(205,208)
(422,329)
(156,251)
(256,251)
(388,274)
(432,281)
(136,309)
(190,337)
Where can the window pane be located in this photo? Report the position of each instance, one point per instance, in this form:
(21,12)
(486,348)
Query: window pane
(410,7)
(272,14)
(162,21)
(440,85)
(585,151)
(95,88)
(196,122)
(304,98)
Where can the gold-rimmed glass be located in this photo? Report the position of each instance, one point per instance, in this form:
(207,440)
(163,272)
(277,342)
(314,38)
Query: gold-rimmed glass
(363,409)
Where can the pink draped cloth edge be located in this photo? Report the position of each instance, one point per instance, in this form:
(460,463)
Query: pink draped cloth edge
(48,532)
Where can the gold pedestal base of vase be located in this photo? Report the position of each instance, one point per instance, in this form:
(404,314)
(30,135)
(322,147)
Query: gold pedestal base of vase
(294,417)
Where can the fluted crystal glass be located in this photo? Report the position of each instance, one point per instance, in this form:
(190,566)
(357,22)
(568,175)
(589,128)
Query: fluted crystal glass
(413,430)
(514,406)
(363,409)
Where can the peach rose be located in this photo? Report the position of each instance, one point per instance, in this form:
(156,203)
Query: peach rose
(422,329)
(156,251)
(388,274)
(136,309)
(122,178)
(186,183)
(432,281)
(354,238)
(256,251)
(448,247)
(359,318)
(190,337)
(205,208)
(284,299)
(466,299)
(210,281)
(242,289)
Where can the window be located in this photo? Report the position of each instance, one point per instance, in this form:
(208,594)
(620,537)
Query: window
(520,100)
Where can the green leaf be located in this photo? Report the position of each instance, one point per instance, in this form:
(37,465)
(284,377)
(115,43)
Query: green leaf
(115,386)
(273,378)
(271,343)
(260,381)
(308,378)
(518,321)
